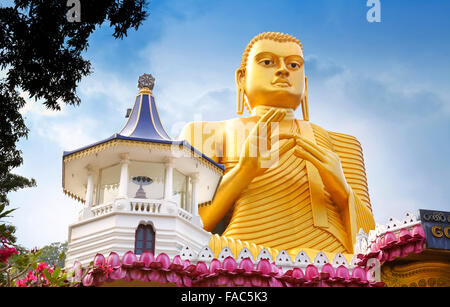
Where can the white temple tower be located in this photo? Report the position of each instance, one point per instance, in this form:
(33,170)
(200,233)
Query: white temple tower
(140,189)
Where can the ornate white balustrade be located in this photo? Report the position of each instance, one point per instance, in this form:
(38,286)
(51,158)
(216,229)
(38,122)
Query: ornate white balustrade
(146,206)
(102,209)
(142,206)
(184,214)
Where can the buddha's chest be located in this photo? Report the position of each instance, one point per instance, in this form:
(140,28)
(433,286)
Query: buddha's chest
(237,132)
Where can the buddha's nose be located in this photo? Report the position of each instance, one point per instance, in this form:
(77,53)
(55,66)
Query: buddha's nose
(282,71)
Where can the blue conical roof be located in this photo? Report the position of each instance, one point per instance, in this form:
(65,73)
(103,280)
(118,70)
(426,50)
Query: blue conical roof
(144,124)
(144,121)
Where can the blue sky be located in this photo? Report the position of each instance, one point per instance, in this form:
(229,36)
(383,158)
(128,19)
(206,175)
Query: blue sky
(386,83)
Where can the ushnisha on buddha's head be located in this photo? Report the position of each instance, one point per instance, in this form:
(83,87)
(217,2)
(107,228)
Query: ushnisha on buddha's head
(272,73)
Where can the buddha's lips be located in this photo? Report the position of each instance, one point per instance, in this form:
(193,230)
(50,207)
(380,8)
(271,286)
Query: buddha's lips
(281,82)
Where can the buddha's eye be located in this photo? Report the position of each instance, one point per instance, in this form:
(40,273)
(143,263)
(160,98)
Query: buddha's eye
(294,65)
(266,62)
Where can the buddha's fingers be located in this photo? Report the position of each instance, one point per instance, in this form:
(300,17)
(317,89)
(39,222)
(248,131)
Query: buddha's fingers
(283,136)
(286,147)
(276,138)
(300,152)
(276,152)
(269,114)
(317,147)
(253,139)
(266,126)
(311,149)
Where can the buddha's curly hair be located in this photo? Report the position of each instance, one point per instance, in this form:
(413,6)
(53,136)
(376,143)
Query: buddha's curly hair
(275,36)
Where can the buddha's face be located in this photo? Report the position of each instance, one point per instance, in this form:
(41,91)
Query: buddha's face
(274,75)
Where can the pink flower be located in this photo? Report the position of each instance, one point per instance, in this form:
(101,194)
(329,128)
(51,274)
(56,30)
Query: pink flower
(41,267)
(7,252)
(30,277)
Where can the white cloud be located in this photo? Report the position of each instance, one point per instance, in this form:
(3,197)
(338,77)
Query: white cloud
(70,135)
(36,108)
(399,124)
(109,90)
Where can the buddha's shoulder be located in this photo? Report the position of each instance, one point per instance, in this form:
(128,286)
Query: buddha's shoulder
(201,128)
(203,125)
(221,125)
(336,137)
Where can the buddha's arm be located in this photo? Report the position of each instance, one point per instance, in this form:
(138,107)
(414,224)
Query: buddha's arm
(231,186)
(240,176)
(351,156)
(329,166)
(208,137)
(359,213)
(342,171)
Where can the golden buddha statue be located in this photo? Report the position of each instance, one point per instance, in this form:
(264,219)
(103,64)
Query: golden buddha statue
(313,195)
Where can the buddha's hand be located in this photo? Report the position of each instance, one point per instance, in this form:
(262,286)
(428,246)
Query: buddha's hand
(329,166)
(261,149)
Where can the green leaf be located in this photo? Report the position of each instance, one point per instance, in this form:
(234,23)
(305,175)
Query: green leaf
(47,275)
(56,273)
(5,214)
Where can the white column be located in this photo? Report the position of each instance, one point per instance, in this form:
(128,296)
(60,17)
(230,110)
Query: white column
(194,203)
(168,179)
(123,184)
(89,189)
(86,212)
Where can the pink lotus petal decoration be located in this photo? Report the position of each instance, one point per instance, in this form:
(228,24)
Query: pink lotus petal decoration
(88,280)
(311,272)
(359,274)
(328,269)
(389,239)
(214,265)
(128,259)
(404,235)
(147,258)
(99,260)
(264,267)
(418,232)
(229,264)
(113,260)
(164,260)
(342,273)
(247,265)
(228,272)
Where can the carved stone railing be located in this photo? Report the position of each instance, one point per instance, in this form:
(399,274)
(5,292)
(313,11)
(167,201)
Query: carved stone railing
(102,209)
(142,206)
(150,206)
(184,214)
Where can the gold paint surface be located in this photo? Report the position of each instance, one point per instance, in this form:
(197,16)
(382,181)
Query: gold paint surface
(423,273)
(314,197)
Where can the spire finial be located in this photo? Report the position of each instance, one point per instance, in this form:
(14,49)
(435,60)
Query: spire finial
(146,81)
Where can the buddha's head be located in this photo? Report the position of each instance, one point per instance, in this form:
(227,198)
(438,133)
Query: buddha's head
(272,73)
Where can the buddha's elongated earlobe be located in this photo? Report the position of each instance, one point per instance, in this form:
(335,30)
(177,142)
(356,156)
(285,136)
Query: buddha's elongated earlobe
(304,102)
(240,101)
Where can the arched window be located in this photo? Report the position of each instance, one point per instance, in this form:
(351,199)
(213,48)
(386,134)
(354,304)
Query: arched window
(145,239)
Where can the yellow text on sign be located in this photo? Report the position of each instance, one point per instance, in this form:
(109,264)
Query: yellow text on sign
(439,233)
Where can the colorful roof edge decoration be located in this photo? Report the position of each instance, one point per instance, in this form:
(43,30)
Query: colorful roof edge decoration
(397,239)
(386,243)
(226,273)
(116,136)
(144,125)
